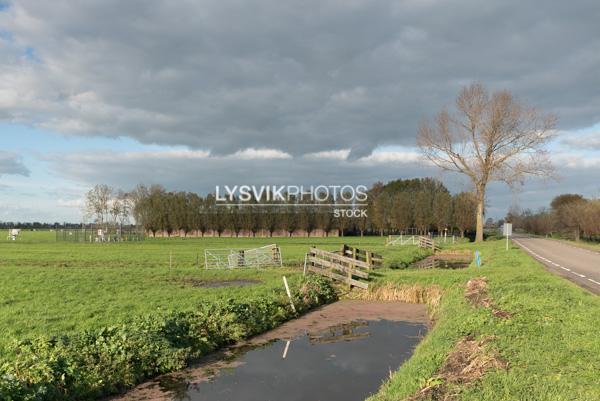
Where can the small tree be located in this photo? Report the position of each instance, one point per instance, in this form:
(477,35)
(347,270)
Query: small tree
(98,203)
(488,138)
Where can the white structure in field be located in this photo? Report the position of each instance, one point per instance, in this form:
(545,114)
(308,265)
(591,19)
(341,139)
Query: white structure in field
(13,233)
(100,236)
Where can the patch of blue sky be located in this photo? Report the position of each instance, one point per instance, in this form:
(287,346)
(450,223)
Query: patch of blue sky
(27,139)
(6,35)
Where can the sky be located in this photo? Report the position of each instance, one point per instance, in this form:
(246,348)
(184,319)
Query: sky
(194,94)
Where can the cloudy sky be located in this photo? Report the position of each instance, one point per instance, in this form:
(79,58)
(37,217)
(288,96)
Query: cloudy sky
(193,94)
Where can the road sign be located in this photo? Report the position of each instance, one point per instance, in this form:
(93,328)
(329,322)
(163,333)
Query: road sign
(507,231)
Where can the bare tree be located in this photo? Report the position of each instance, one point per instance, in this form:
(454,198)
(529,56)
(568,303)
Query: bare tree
(488,138)
(98,202)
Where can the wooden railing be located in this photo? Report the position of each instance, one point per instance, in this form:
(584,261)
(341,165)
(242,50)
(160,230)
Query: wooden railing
(426,242)
(337,267)
(372,259)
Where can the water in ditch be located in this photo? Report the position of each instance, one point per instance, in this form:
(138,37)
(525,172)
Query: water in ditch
(345,362)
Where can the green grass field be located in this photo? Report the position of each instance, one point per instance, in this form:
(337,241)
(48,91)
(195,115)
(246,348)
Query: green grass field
(55,288)
(550,342)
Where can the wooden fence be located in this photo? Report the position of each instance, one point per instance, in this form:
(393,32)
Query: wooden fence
(337,267)
(426,242)
(372,259)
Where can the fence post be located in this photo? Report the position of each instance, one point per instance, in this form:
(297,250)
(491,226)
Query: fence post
(170,260)
(289,294)
(350,277)
(305,259)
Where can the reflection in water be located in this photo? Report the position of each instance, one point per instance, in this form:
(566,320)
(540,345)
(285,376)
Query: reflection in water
(346,362)
(341,332)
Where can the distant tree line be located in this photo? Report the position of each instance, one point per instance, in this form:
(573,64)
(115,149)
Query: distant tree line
(570,215)
(36,225)
(414,205)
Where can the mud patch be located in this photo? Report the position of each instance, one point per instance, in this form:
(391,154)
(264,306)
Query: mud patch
(468,362)
(345,312)
(476,294)
(219,283)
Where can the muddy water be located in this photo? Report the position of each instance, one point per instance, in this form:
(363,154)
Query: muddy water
(341,352)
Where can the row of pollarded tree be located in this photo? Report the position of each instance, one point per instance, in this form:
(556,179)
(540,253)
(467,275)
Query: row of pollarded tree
(422,204)
(571,215)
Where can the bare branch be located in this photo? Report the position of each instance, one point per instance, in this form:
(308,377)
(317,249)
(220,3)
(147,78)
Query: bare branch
(489,138)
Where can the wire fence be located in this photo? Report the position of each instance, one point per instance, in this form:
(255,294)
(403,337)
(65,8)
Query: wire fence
(99,235)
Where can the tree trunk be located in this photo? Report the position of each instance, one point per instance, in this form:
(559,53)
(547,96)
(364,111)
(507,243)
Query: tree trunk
(480,201)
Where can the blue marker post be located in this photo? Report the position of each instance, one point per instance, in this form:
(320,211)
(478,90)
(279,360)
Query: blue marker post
(477,258)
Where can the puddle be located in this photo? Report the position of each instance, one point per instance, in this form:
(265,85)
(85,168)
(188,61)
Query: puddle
(219,283)
(331,354)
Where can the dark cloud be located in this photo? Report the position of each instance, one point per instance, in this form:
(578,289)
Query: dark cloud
(296,76)
(10,163)
(196,171)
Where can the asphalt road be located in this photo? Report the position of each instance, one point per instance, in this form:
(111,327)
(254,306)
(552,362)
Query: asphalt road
(581,266)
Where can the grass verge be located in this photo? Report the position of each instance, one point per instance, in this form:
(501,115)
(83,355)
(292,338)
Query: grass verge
(546,338)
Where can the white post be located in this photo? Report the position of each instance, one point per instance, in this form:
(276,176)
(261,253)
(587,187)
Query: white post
(507,241)
(289,294)
(305,258)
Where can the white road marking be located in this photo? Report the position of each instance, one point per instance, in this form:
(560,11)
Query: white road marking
(554,263)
